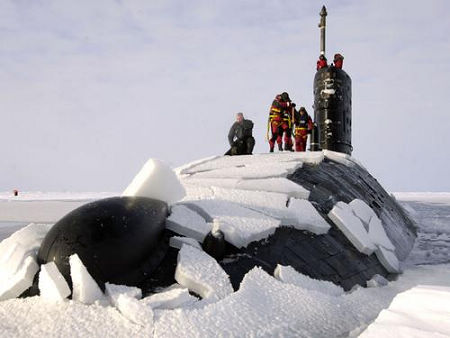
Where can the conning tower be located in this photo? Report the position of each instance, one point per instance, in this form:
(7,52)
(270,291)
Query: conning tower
(332,104)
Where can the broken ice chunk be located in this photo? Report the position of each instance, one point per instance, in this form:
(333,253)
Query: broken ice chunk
(352,227)
(186,222)
(170,299)
(52,285)
(85,288)
(201,273)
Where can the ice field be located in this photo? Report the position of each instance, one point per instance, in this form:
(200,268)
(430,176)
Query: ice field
(286,304)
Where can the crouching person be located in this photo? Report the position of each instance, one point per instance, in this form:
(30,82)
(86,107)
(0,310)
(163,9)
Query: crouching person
(240,137)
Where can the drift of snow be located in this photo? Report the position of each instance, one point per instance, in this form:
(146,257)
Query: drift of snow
(156,180)
(52,285)
(376,281)
(201,273)
(422,311)
(186,222)
(352,227)
(85,288)
(288,274)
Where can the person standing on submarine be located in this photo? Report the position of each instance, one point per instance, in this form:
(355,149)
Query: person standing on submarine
(280,123)
(240,136)
(303,125)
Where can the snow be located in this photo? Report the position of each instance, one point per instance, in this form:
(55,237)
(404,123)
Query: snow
(201,273)
(158,181)
(265,306)
(52,285)
(170,299)
(339,157)
(177,241)
(288,274)
(186,222)
(85,288)
(240,225)
(422,311)
(352,227)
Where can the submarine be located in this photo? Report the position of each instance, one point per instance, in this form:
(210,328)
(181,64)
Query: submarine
(126,240)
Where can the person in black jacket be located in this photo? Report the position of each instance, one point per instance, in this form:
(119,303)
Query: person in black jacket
(240,137)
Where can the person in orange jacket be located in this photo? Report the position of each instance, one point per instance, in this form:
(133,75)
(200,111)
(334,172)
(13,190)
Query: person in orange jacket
(279,122)
(303,126)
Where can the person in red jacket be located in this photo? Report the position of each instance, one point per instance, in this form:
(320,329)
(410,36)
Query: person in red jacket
(338,60)
(303,126)
(279,122)
(322,62)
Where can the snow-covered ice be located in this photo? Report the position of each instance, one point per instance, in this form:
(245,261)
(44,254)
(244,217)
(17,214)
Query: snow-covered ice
(201,273)
(85,288)
(388,259)
(135,311)
(352,227)
(156,180)
(19,282)
(362,210)
(52,285)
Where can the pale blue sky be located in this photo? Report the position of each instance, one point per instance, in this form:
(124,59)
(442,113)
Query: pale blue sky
(89,90)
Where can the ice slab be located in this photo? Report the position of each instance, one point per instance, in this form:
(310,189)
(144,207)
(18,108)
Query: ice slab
(378,235)
(85,289)
(288,274)
(377,281)
(273,169)
(362,210)
(240,225)
(156,180)
(339,157)
(112,291)
(177,241)
(196,192)
(170,299)
(422,311)
(52,285)
(201,273)
(134,310)
(17,283)
(277,184)
(186,222)
(352,227)
(388,259)
(307,217)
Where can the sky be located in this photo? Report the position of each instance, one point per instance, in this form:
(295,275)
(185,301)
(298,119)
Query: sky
(89,90)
